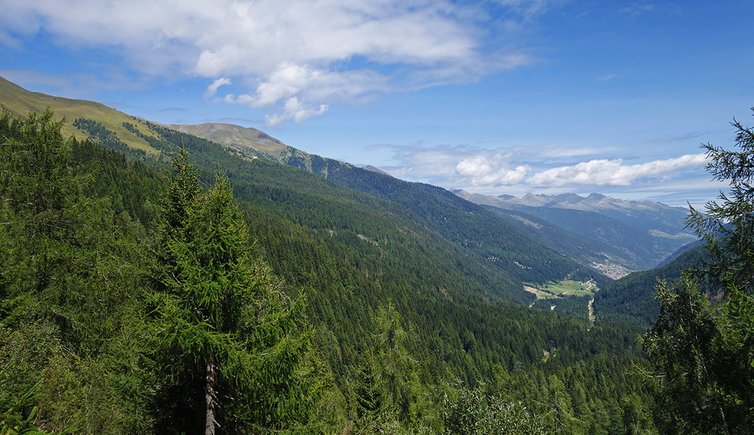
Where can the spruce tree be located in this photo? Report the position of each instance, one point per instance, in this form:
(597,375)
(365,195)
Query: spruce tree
(728,223)
(231,340)
(69,290)
(702,354)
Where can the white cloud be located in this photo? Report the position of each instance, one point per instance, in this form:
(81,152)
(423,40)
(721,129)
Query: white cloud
(485,170)
(303,81)
(521,169)
(320,51)
(465,165)
(294,110)
(215,85)
(605,172)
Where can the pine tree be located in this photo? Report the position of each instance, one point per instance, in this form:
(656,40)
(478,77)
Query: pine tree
(231,340)
(728,224)
(681,346)
(703,354)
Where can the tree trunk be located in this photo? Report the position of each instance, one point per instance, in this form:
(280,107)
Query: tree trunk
(210,396)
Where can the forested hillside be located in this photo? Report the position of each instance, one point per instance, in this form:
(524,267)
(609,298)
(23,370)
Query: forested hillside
(631,299)
(183,285)
(495,237)
(82,243)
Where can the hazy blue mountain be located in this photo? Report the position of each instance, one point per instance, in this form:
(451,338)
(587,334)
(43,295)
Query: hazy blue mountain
(630,235)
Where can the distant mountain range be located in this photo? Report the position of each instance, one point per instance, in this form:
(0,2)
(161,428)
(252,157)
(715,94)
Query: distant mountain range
(615,235)
(478,241)
(534,238)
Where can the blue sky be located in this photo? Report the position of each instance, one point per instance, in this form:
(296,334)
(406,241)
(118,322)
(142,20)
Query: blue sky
(496,96)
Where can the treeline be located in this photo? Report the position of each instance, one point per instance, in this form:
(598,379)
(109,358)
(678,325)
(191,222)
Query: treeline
(132,300)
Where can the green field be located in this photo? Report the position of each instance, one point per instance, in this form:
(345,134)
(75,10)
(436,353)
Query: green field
(562,288)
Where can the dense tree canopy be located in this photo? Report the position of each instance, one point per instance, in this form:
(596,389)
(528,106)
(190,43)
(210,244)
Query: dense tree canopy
(122,285)
(702,352)
(224,321)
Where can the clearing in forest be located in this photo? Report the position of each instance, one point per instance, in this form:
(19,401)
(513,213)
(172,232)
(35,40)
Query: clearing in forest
(562,288)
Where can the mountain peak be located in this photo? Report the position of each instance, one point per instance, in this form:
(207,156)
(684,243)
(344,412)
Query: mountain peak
(236,136)
(371,168)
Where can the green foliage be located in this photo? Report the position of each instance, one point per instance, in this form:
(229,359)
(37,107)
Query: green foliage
(388,384)
(703,361)
(19,417)
(702,353)
(680,345)
(79,317)
(222,312)
(474,411)
(70,289)
(728,225)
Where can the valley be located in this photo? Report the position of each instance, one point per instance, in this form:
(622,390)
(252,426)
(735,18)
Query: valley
(393,281)
(509,217)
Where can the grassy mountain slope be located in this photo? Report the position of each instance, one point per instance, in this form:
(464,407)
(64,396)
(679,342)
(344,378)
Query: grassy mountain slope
(19,100)
(251,141)
(236,137)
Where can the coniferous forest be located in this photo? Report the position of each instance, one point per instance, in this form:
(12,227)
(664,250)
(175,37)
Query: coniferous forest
(202,290)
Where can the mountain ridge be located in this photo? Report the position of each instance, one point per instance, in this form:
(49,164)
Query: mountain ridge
(493,242)
(22,101)
(637,234)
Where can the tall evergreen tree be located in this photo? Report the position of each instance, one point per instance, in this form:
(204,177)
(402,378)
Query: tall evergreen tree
(681,345)
(728,224)
(703,354)
(231,339)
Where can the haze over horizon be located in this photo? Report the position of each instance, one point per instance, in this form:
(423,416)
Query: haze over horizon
(493,97)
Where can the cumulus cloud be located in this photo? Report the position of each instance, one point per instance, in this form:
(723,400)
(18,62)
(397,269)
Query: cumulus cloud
(521,169)
(215,85)
(321,51)
(483,170)
(461,165)
(294,110)
(603,172)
